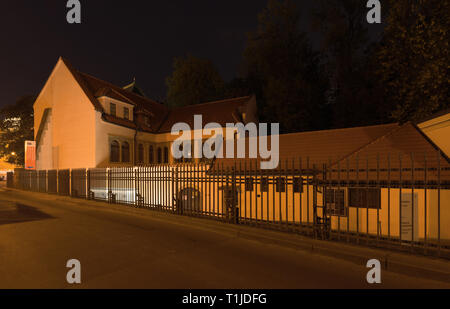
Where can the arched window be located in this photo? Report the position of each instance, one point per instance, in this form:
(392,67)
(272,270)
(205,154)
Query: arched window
(166,155)
(151,155)
(125,152)
(159,155)
(140,153)
(115,152)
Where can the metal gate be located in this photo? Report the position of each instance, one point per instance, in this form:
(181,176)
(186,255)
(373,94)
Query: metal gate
(78,183)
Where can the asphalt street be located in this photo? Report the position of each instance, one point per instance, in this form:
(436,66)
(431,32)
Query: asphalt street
(137,249)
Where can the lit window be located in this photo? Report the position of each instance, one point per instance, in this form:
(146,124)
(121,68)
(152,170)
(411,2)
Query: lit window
(126,113)
(112,109)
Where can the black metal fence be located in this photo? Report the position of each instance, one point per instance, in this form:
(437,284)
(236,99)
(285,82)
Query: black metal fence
(394,202)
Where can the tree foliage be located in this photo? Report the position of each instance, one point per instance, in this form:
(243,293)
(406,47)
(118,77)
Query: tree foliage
(284,69)
(414,58)
(352,94)
(349,81)
(16,127)
(193,81)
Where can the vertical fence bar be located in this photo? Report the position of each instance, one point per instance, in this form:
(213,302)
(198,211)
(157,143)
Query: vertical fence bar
(300,168)
(250,192)
(348,184)
(293,193)
(367,199)
(273,197)
(425,203)
(378,205)
(389,196)
(307,192)
(286,194)
(357,209)
(400,198)
(339,188)
(255,188)
(240,192)
(412,202)
(439,202)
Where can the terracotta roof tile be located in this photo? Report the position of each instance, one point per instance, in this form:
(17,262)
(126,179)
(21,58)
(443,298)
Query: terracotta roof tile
(319,147)
(222,112)
(162,119)
(401,149)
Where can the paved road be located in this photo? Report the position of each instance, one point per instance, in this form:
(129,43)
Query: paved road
(132,249)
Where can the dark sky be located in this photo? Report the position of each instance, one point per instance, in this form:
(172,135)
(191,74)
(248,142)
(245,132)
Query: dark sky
(119,40)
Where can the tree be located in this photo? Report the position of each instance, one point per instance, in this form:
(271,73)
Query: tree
(413,58)
(346,54)
(193,81)
(16,127)
(283,70)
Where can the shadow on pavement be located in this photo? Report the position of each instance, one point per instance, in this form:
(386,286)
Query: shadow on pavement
(13,213)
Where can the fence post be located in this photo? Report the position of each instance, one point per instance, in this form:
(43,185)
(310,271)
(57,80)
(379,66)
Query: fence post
(88,184)
(108,185)
(136,187)
(174,189)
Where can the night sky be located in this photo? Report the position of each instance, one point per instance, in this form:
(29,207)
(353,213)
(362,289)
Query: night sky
(119,40)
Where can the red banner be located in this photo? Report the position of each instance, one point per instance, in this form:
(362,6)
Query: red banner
(30,155)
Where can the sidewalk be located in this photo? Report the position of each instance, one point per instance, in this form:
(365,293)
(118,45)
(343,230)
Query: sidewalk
(398,262)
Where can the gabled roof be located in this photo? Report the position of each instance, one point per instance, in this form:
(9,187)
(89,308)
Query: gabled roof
(94,88)
(402,149)
(378,147)
(94,84)
(221,112)
(314,149)
(162,120)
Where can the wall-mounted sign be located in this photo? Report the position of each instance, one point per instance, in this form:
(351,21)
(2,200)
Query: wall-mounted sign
(30,155)
(410,222)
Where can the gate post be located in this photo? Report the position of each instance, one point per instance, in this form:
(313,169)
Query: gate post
(235,208)
(108,185)
(136,187)
(174,189)
(88,184)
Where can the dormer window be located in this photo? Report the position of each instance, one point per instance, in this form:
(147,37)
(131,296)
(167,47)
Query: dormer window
(112,109)
(147,121)
(126,113)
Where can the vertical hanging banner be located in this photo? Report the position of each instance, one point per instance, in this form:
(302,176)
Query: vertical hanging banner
(30,155)
(410,220)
